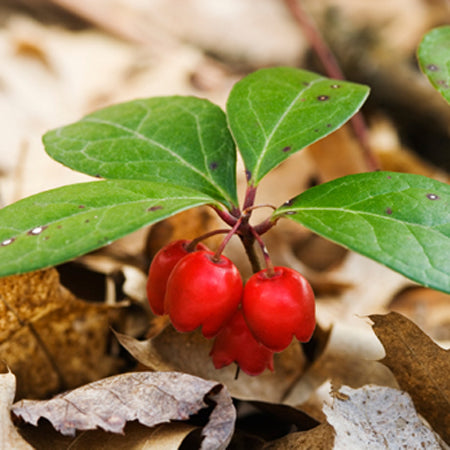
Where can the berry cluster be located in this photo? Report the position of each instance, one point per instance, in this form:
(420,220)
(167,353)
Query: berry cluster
(199,288)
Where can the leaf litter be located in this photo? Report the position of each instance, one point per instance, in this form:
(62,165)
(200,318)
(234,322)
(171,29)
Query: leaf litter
(151,398)
(157,70)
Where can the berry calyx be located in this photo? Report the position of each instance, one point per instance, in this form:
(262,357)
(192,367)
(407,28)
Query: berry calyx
(203,290)
(160,269)
(278,307)
(235,343)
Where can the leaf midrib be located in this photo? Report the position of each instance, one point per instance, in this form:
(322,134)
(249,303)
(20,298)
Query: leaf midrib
(278,123)
(358,212)
(89,210)
(139,135)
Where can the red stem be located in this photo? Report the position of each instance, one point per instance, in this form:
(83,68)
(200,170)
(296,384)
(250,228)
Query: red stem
(267,260)
(249,199)
(264,226)
(225,216)
(227,239)
(193,244)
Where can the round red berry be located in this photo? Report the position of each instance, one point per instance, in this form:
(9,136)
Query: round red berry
(203,291)
(160,268)
(235,343)
(279,307)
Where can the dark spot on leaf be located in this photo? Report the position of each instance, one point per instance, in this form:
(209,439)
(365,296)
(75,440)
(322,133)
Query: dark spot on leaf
(36,231)
(388,211)
(286,149)
(328,125)
(305,83)
(97,175)
(389,177)
(322,98)
(432,67)
(87,221)
(290,213)
(442,83)
(289,202)
(432,197)
(316,130)
(81,206)
(7,242)
(335,86)
(59,227)
(46,238)
(248,175)
(303,99)
(154,208)
(213,165)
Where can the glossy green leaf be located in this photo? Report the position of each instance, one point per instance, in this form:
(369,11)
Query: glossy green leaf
(57,225)
(275,112)
(400,220)
(434,59)
(184,141)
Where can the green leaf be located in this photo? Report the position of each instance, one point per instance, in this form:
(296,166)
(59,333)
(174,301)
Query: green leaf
(57,225)
(184,141)
(434,59)
(399,220)
(275,112)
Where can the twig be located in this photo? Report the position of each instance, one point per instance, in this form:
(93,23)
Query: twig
(333,70)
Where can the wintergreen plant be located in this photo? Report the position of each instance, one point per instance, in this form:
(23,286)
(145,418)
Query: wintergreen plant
(163,155)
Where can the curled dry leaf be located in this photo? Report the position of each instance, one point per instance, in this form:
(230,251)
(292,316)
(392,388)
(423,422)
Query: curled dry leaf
(9,437)
(150,398)
(420,366)
(377,417)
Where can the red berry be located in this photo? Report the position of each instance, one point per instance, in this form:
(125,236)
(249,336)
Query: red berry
(278,307)
(235,343)
(203,291)
(160,268)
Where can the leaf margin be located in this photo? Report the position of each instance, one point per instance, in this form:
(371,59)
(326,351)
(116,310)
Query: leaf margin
(80,205)
(288,210)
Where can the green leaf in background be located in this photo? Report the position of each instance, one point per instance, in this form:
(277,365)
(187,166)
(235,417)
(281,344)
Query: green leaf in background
(184,141)
(275,112)
(57,225)
(434,59)
(399,220)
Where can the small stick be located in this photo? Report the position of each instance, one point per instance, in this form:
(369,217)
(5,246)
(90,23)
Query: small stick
(333,70)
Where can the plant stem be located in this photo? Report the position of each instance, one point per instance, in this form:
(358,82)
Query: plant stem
(269,266)
(248,241)
(333,70)
(228,218)
(193,244)
(249,199)
(227,239)
(265,226)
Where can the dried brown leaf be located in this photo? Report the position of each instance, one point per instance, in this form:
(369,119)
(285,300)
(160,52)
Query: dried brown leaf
(377,417)
(185,225)
(152,398)
(136,436)
(427,308)
(319,438)
(50,339)
(189,352)
(337,155)
(9,437)
(420,366)
(348,359)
